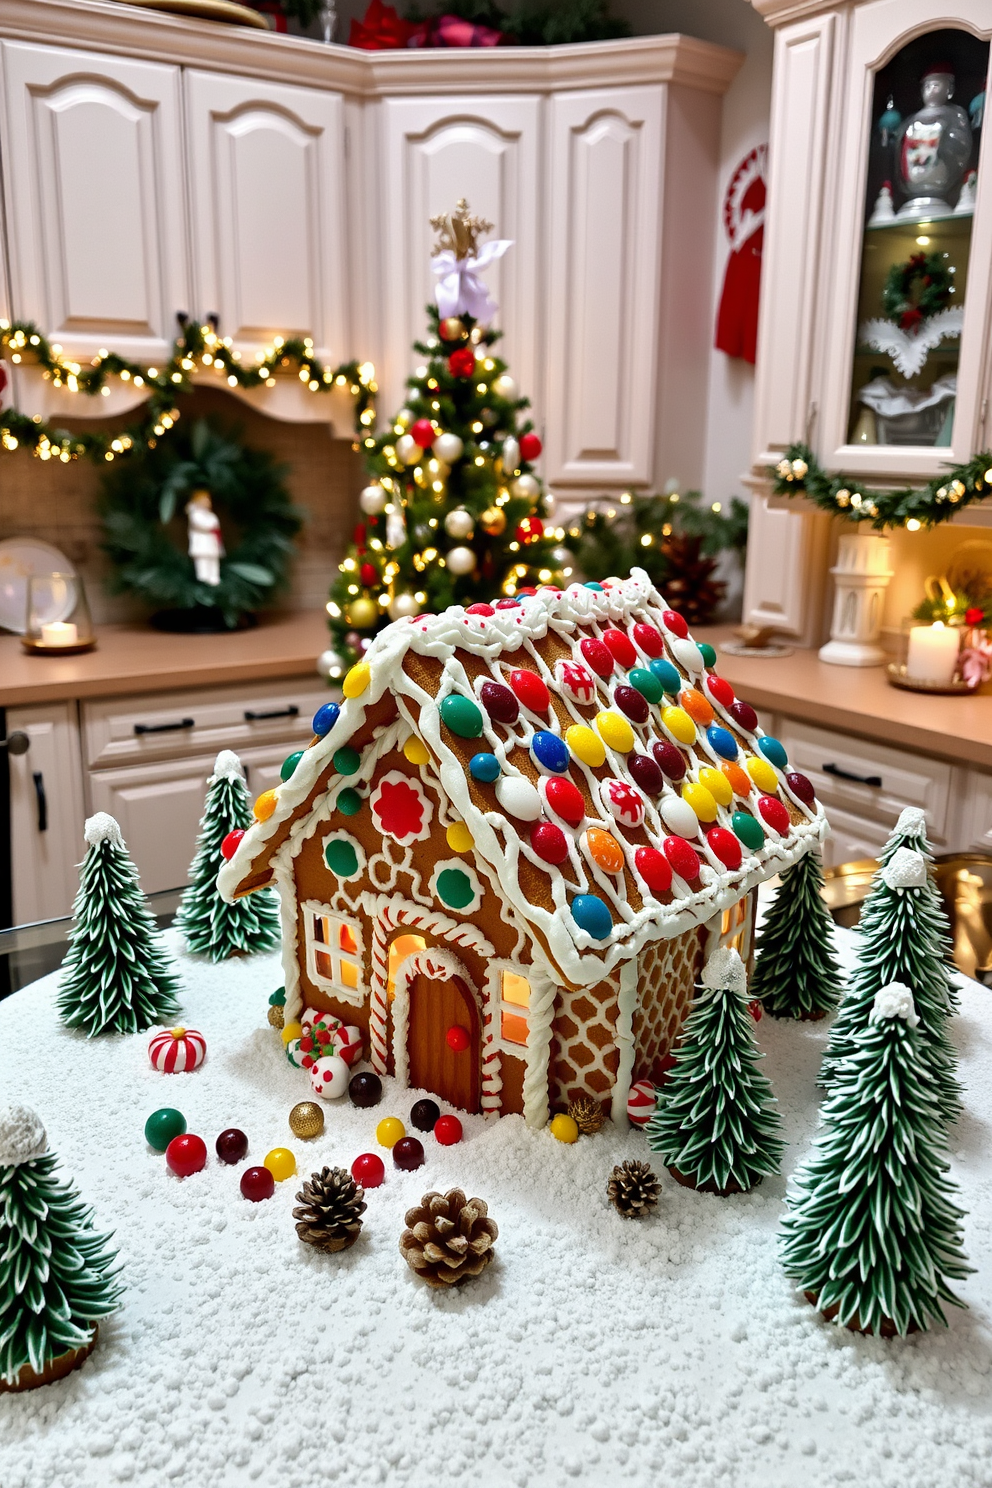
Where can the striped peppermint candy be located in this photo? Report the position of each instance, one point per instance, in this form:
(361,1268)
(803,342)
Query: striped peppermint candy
(176,1050)
(641,1103)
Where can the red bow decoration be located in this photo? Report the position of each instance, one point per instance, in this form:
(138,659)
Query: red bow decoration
(910,318)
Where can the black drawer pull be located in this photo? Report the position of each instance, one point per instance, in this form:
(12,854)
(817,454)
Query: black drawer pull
(840,774)
(291,712)
(163,728)
(39,790)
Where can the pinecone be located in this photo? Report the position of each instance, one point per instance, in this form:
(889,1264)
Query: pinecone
(633,1189)
(587,1115)
(449,1238)
(276,1015)
(332,1207)
(689,584)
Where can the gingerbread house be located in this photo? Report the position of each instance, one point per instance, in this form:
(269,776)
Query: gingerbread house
(507,853)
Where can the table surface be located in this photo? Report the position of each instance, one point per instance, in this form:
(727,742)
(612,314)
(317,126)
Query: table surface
(594,1349)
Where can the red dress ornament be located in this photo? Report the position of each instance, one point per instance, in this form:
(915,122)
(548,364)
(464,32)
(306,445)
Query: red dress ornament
(744,220)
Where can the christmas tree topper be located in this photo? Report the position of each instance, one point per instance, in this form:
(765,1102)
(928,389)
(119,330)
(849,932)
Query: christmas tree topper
(22,1136)
(457,260)
(458,230)
(906,869)
(724,971)
(894,1001)
(101,828)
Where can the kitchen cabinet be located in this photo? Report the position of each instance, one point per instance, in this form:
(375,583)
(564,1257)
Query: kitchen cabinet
(46,811)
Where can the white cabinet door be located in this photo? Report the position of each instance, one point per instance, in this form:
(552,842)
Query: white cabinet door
(267,188)
(784,577)
(95,198)
(46,812)
(438,150)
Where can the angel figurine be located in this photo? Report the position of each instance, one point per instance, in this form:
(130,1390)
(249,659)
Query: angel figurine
(206,546)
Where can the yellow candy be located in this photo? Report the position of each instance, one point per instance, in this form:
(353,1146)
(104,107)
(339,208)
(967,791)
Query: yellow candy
(281,1164)
(291,1031)
(679,725)
(389,1131)
(265,805)
(357,680)
(699,798)
(762,773)
(585,745)
(416,751)
(564,1128)
(615,731)
(718,786)
(459,837)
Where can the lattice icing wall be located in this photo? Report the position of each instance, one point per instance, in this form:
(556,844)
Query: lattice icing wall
(667,975)
(584,1057)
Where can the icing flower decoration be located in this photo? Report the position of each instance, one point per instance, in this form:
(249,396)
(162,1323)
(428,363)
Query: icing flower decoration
(401,809)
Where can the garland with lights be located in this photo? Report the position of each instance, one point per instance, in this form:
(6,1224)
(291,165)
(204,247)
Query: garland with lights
(195,344)
(935,282)
(799,473)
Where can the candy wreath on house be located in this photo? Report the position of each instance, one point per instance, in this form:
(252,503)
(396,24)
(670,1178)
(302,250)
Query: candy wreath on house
(508,853)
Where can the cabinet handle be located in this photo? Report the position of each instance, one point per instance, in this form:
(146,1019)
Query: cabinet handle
(163,728)
(291,712)
(840,774)
(39,790)
(16,743)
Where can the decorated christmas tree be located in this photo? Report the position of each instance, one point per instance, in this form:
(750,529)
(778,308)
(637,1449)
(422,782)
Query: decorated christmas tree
(212,928)
(871,1236)
(901,940)
(453,512)
(116,976)
(57,1277)
(796,975)
(716,1125)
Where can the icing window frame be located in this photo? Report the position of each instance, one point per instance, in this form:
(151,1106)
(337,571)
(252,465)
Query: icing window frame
(510,1012)
(335,952)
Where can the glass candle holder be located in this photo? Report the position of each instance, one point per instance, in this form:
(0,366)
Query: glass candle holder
(931,657)
(58,619)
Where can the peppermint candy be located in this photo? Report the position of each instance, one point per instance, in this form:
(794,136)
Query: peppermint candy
(177,1050)
(576,680)
(623,802)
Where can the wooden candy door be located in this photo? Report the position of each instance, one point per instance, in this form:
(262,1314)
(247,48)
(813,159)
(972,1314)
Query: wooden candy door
(435,1007)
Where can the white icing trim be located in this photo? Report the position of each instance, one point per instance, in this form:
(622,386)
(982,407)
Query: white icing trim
(543,996)
(626,1005)
(438,964)
(285,882)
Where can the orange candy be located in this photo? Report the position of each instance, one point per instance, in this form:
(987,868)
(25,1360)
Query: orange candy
(740,780)
(696,706)
(265,805)
(604,850)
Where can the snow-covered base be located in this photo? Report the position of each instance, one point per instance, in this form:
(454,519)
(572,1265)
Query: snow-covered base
(664,1351)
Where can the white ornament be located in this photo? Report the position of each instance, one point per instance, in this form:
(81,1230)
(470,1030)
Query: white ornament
(402,605)
(505,387)
(549,504)
(511,455)
(679,816)
(372,500)
(686,653)
(448,447)
(206,547)
(725,971)
(905,869)
(329,1077)
(22,1136)
(330,665)
(395,528)
(102,828)
(459,523)
(408,450)
(561,556)
(526,486)
(518,797)
(894,1001)
(461,560)
(405,417)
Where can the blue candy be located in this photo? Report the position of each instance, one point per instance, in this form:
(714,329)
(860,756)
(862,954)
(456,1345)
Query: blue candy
(591,914)
(550,751)
(667,675)
(722,741)
(593,585)
(773,751)
(325,718)
(484,767)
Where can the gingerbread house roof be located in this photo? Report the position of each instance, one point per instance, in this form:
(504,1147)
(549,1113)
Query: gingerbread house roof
(613,789)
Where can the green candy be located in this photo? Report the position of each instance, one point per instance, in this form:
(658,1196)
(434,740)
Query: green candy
(341,857)
(454,888)
(347,761)
(290,763)
(647,684)
(462,716)
(162,1126)
(278,998)
(707,652)
(349,801)
(747,829)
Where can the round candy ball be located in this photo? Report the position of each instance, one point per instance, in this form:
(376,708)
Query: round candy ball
(457,1038)
(408,1154)
(329,1077)
(257,1184)
(231,843)
(564,1128)
(484,768)
(231,1146)
(306,1120)
(368,1169)
(640,1103)
(281,1163)
(424,1115)
(186,1154)
(448,1130)
(389,1131)
(365,1089)
(162,1126)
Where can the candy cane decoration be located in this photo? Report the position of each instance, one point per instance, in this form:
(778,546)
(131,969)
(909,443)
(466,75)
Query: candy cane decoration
(177,1050)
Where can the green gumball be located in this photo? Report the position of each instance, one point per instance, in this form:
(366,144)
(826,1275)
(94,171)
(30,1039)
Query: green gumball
(162,1126)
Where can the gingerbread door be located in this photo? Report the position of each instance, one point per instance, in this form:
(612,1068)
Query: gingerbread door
(435,1007)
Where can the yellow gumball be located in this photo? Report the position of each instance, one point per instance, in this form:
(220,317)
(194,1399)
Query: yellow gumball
(615,731)
(565,1128)
(586,746)
(679,725)
(459,838)
(762,773)
(389,1131)
(699,798)
(357,680)
(291,1031)
(718,786)
(281,1163)
(416,751)
(265,805)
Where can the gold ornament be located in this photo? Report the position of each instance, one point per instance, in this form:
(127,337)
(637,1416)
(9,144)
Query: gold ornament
(362,613)
(457,231)
(275,1015)
(493,521)
(306,1119)
(451,329)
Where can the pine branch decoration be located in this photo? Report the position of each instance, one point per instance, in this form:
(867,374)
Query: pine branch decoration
(331,1205)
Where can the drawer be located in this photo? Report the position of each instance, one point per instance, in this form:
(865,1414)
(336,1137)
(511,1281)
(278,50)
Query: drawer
(885,780)
(975,828)
(169,725)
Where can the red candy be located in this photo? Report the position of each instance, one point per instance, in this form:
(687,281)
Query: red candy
(774,813)
(480,609)
(649,640)
(599,657)
(565,799)
(230,844)
(508,604)
(654,869)
(424,433)
(673,622)
(669,759)
(726,846)
(645,773)
(620,647)
(631,702)
(368,1169)
(531,691)
(408,1154)
(499,702)
(798,784)
(745,715)
(186,1154)
(549,843)
(720,691)
(257,1184)
(755,1009)
(682,857)
(448,1130)
(457,1038)
(530,446)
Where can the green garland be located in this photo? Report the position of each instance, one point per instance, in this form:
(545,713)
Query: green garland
(799,473)
(935,289)
(195,343)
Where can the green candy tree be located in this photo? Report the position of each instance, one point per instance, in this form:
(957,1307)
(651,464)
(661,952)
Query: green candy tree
(902,940)
(871,1236)
(210,927)
(116,976)
(716,1125)
(910,831)
(796,974)
(57,1276)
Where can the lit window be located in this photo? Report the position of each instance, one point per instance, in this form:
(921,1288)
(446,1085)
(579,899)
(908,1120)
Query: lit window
(334,953)
(514,1008)
(400,948)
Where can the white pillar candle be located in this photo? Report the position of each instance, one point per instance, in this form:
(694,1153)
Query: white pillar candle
(59,633)
(933,653)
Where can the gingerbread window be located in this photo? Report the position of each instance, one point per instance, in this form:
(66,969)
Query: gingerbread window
(334,953)
(514,1010)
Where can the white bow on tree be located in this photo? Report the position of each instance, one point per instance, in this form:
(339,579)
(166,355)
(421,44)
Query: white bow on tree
(460,291)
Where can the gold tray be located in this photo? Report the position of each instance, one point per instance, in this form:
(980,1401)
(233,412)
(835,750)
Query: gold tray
(206,10)
(897,676)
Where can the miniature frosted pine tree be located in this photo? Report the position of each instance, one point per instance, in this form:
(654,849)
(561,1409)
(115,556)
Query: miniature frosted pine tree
(116,976)
(910,831)
(716,1125)
(902,941)
(796,975)
(57,1277)
(871,1236)
(212,928)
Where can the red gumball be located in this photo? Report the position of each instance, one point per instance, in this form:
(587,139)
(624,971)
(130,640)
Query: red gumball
(461,362)
(620,647)
(530,690)
(675,623)
(530,446)
(774,813)
(720,691)
(367,573)
(649,639)
(368,1169)
(448,1130)
(457,1038)
(480,609)
(529,529)
(230,844)
(549,843)
(186,1154)
(726,847)
(683,858)
(257,1184)
(424,433)
(654,868)
(408,1154)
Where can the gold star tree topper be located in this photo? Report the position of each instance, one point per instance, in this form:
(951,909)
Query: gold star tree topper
(458,231)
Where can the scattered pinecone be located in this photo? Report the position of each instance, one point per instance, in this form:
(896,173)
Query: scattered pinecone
(449,1238)
(332,1205)
(276,1015)
(633,1189)
(587,1115)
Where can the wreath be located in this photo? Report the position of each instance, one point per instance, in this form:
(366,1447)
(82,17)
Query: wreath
(934,280)
(142,506)
(799,473)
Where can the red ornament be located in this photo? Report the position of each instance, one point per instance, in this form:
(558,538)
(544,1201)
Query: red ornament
(974,615)
(230,844)
(480,609)
(744,714)
(448,1130)
(359,533)
(774,813)
(565,799)
(663,1068)
(531,690)
(530,446)
(683,858)
(654,868)
(720,691)
(232,1145)
(726,847)
(649,640)
(368,1169)
(408,1154)
(457,1038)
(257,1184)
(755,1009)
(529,529)
(549,843)
(620,647)
(424,433)
(674,623)
(368,574)
(186,1154)
(801,787)
(599,657)
(461,362)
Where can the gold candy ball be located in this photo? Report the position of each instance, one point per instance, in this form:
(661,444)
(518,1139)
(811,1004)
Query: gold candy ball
(493,521)
(362,613)
(306,1119)
(276,1015)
